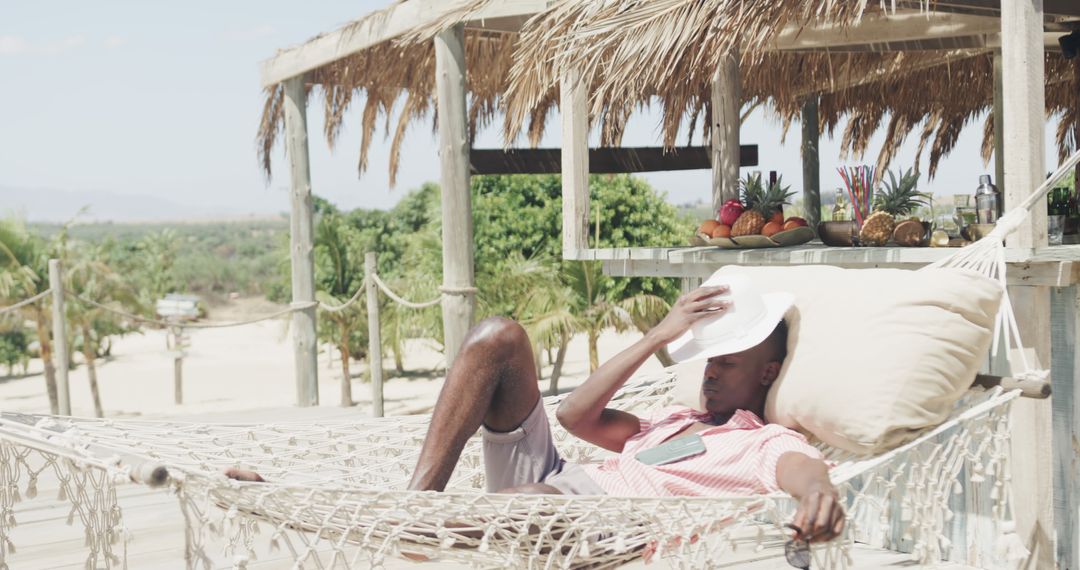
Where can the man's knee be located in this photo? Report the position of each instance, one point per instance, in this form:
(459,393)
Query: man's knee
(497,335)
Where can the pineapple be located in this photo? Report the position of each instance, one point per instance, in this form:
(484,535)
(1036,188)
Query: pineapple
(898,198)
(761,203)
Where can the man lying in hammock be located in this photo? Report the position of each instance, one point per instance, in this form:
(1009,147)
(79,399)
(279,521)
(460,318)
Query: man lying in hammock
(492,386)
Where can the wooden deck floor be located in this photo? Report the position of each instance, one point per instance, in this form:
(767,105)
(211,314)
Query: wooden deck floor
(45,542)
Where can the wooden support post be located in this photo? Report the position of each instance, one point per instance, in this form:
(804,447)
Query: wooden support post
(59,329)
(574,110)
(371,267)
(726,103)
(458,306)
(811,162)
(999,124)
(1076,125)
(1065,370)
(1023,98)
(300,244)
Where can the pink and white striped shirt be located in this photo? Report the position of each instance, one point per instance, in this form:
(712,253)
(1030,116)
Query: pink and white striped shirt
(740,458)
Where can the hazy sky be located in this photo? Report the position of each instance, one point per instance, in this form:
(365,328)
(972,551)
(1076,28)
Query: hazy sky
(112,99)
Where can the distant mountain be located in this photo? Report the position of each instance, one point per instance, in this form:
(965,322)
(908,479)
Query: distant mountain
(52,205)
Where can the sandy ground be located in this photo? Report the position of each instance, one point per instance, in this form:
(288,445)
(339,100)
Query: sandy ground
(251,367)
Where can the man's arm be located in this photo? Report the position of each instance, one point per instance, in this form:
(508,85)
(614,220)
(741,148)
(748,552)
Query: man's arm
(820,516)
(584,412)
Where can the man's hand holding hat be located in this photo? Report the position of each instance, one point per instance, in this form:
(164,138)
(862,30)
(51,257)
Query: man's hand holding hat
(690,308)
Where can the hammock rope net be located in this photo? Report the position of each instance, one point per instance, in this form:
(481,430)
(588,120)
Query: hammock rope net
(337,498)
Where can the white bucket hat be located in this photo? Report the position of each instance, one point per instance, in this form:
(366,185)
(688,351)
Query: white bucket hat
(749,320)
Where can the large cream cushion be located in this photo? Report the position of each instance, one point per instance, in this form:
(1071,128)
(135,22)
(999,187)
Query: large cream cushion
(874,355)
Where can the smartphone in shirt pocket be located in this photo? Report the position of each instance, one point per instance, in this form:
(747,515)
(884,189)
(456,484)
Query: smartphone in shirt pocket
(672,451)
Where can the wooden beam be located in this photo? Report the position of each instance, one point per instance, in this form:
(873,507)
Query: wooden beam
(981,42)
(886,28)
(508,24)
(1065,369)
(811,162)
(999,124)
(726,104)
(574,160)
(1023,120)
(703,261)
(607,160)
(993,7)
(376,28)
(1049,41)
(932,44)
(300,244)
(1023,97)
(459,299)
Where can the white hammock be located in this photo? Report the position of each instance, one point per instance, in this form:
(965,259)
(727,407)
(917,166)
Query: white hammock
(337,500)
(340,488)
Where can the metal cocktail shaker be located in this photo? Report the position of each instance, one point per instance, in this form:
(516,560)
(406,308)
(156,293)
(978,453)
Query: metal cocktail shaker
(987,201)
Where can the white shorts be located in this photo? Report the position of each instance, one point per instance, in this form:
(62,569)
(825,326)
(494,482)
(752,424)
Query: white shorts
(528,455)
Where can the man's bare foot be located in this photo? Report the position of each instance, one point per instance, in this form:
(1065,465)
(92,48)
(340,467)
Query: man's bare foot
(244,475)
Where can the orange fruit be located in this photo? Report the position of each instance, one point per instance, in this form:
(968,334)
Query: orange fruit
(793,223)
(777,218)
(771,228)
(721,231)
(707,227)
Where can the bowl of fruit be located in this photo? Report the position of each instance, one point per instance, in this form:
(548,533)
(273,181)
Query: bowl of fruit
(756,220)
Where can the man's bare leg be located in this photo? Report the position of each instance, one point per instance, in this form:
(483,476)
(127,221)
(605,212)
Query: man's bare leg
(493,381)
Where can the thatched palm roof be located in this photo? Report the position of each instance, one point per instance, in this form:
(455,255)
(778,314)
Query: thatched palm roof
(944,100)
(389,75)
(663,52)
(668,50)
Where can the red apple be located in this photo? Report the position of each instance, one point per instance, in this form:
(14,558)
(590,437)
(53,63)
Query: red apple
(730,211)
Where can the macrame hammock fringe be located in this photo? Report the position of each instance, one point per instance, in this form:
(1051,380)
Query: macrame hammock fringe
(337,498)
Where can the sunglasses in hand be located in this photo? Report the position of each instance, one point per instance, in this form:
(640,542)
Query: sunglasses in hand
(797,550)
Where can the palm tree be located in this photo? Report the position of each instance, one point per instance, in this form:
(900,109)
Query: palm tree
(340,273)
(24,273)
(157,257)
(598,313)
(646,311)
(419,279)
(531,292)
(338,328)
(550,323)
(553,306)
(91,278)
(402,323)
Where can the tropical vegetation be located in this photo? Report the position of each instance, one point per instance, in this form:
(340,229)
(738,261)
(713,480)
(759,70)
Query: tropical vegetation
(519,273)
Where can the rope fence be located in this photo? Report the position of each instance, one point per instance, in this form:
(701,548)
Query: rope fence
(293,307)
(397,299)
(171,324)
(371,283)
(25,302)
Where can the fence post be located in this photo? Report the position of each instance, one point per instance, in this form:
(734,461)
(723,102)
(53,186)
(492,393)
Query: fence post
(178,380)
(60,350)
(374,336)
(177,334)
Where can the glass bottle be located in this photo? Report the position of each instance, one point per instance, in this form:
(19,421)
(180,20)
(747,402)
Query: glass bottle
(987,201)
(839,210)
(1056,203)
